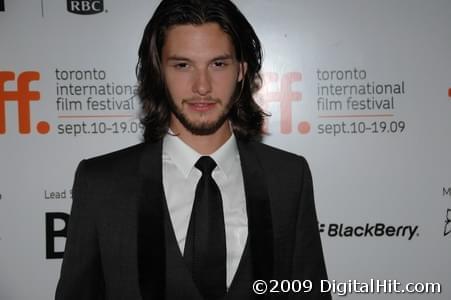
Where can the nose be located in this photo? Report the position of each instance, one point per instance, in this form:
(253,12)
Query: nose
(202,82)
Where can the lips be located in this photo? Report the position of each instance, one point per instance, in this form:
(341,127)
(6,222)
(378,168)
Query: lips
(200,104)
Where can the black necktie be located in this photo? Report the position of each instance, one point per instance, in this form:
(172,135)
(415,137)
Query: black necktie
(205,246)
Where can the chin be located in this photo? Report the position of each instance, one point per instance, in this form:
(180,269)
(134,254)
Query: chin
(201,127)
(204,128)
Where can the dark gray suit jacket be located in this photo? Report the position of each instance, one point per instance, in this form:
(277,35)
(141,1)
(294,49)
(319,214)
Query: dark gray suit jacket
(115,247)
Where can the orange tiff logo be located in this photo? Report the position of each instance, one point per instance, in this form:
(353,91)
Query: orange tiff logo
(285,96)
(23,96)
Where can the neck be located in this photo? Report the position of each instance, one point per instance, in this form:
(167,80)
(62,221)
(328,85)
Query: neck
(203,144)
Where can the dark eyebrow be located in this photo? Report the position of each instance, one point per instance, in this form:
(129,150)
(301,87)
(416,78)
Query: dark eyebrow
(176,57)
(223,57)
(181,58)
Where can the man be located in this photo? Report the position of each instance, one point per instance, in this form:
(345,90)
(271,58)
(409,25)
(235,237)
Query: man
(201,209)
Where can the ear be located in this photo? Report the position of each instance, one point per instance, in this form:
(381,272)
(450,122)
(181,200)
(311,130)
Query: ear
(242,70)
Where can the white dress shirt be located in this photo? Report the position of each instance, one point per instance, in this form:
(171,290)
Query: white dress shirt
(180,178)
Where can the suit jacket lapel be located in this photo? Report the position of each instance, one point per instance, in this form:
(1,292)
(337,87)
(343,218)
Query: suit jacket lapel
(151,240)
(258,212)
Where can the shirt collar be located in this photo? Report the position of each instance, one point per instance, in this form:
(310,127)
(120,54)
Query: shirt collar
(226,155)
(184,157)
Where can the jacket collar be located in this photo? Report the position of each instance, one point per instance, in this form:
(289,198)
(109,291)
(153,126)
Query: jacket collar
(258,211)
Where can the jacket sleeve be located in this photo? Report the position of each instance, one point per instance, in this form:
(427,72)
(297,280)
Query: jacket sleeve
(308,260)
(81,273)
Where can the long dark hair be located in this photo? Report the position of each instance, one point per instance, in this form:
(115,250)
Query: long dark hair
(246,116)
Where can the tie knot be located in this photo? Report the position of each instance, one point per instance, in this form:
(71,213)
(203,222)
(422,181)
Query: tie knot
(205,164)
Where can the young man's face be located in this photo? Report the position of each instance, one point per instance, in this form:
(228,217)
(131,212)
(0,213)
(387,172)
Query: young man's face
(201,73)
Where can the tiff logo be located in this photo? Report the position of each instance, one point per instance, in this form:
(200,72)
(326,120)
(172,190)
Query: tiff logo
(23,96)
(85,7)
(2,5)
(285,96)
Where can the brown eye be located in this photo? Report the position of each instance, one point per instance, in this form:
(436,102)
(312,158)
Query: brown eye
(219,64)
(181,66)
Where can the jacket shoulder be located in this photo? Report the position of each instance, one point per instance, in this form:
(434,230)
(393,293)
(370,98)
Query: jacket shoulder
(278,156)
(121,161)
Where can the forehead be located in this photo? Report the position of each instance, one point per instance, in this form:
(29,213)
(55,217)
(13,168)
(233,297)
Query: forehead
(197,41)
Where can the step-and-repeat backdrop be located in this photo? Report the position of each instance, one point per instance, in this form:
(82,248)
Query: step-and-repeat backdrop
(361,88)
